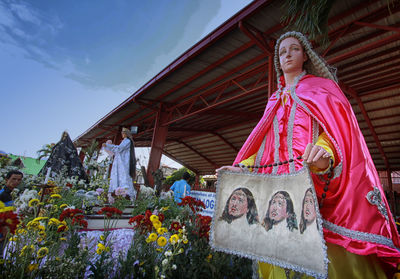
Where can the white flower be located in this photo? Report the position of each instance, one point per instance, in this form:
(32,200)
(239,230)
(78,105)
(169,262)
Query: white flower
(162,276)
(164,262)
(168,253)
(174,266)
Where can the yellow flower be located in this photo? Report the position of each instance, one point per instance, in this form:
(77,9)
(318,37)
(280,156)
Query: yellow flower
(174,239)
(54,222)
(154,218)
(33,202)
(161,230)
(148,240)
(64,205)
(40,227)
(99,251)
(42,252)
(21,231)
(102,237)
(6,208)
(25,248)
(164,208)
(58,259)
(161,241)
(180,250)
(32,267)
(13,238)
(37,219)
(1,261)
(209,257)
(153,237)
(157,224)
(51,182)
(101,246)
(2,204)
(65,227)
(55,196)
(63,239)
(180,230)
(185,241)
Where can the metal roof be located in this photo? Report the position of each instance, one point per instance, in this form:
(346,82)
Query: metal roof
(214,94)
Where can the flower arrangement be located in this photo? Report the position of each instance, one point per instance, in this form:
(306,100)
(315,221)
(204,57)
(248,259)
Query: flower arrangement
(45,236)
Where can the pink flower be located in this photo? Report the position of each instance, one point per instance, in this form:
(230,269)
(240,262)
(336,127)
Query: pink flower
(99,191)
(120,192)
(110,199)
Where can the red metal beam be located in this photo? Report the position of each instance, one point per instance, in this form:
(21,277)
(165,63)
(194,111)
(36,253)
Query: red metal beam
(380,90)
(217,104)
(157,145)
(392,72)
(378,83)
(371,69)
(198,153)
(364,49)
(227,142)
(377,26)
(354,94)
(257,39)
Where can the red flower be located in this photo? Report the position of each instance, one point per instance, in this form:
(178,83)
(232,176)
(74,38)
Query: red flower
(78,220)
(194,204)
(70,213)
(81,222)
(69,185)
(175,226)
(110,211)
(62,228)
(203,224)
(143,223)
(9,219)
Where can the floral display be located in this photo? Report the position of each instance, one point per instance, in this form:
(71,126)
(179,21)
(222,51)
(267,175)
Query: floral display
(47,234)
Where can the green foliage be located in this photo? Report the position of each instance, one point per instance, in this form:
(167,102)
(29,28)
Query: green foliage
(91,150)
(45,151)
(308,17)
(177,175)
(4,161)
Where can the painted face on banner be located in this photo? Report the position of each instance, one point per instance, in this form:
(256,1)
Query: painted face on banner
(309,208)
(291,55)
(277,209)
(238,204)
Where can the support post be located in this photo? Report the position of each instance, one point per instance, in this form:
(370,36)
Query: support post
(81,155)
(157,144)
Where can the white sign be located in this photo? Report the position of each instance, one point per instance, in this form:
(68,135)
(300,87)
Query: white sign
(209,200)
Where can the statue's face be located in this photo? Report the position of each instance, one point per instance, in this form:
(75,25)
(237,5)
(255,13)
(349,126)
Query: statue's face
(238,204)
(309,208)
(291,56)
(278,207)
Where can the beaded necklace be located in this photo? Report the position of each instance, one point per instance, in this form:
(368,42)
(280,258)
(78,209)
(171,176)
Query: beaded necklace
(327,181)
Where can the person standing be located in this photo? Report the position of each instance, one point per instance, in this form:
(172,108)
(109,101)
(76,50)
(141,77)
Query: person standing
(309,120)
(181,188)
(123,171)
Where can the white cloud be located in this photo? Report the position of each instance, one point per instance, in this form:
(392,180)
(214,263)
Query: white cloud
(6,18)
(25,13)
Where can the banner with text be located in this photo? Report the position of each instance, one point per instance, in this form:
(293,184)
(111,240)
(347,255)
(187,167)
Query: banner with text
(209,200)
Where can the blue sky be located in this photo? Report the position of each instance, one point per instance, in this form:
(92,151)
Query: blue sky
(65,64)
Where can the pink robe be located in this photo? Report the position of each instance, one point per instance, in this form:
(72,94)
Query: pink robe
(361,225)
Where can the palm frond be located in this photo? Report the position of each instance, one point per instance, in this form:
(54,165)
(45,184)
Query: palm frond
(308,17)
